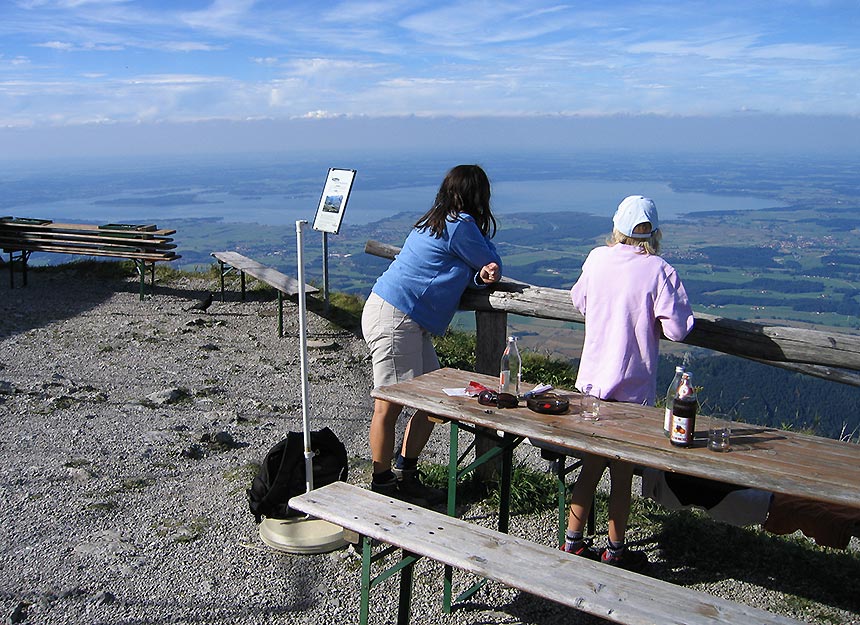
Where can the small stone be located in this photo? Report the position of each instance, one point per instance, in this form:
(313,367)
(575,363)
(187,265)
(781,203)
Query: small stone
(18,614)
(104,598)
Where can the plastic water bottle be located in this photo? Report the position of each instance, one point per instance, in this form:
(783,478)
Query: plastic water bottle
(670,398)
(511,369)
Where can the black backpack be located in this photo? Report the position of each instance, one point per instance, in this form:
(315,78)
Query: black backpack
(282,474)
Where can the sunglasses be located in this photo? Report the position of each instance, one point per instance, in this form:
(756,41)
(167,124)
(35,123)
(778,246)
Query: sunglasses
(499,400)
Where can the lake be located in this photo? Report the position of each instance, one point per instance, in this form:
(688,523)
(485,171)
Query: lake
(265,191)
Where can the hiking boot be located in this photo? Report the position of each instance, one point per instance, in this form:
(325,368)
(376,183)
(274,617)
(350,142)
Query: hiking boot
(584,551)
(411,488)
(389,488)
(628,560)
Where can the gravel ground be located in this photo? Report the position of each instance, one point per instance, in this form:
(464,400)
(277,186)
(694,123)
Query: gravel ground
(130,431)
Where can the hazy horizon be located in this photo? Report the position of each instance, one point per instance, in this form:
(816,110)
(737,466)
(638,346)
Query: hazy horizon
(469,136)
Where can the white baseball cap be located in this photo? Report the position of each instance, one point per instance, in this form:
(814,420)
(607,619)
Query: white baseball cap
(635,210)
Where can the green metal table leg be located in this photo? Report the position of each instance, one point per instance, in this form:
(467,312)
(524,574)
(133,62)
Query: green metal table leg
(453,461)
(562,498)
(366,559)
(505,485)
(404,605)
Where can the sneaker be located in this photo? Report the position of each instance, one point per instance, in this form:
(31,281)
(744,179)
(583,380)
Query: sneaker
(411,488)
(584,551)
(627,560)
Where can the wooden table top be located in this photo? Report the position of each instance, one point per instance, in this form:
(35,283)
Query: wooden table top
(766,458)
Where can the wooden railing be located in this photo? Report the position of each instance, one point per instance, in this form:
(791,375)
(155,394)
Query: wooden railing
(823,354)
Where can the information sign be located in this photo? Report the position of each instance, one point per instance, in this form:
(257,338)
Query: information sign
(333,201)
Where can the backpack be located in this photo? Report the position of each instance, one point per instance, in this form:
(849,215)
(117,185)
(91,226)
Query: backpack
(282,474)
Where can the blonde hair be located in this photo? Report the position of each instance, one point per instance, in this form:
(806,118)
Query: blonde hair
(650,246)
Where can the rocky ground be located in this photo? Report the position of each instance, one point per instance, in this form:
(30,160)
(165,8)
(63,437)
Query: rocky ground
(130,430)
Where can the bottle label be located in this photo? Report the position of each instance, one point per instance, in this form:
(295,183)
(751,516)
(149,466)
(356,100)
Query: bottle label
(667,419)
(682,430)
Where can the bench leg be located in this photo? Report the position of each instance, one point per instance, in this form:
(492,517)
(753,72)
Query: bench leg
(221,274)
(404,567)
(280,315)
(242,281)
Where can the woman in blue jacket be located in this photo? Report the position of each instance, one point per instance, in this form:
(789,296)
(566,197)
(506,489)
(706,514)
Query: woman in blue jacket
(448,250)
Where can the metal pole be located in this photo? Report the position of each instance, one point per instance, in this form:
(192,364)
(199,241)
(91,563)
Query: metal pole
(303,343)
(325,271)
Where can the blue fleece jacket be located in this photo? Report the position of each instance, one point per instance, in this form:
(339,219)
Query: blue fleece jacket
(429,275)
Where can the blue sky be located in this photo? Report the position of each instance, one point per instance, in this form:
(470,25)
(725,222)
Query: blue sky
(66,63)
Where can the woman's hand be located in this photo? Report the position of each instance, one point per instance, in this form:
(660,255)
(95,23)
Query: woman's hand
(490,273)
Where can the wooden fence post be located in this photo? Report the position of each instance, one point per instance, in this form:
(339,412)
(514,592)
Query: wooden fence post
(491,331)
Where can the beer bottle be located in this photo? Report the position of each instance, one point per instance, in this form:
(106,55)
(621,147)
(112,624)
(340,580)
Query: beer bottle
(684,407)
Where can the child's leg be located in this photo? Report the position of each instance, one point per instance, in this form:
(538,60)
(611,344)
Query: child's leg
(582,496)
(621,479)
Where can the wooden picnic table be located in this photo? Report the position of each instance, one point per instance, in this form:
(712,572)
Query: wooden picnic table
(761,457)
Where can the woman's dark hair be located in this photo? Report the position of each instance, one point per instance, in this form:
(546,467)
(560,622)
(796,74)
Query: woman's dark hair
(466,189)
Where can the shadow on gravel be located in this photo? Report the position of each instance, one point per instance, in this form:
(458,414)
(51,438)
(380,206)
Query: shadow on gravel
(55,293)
(699,550)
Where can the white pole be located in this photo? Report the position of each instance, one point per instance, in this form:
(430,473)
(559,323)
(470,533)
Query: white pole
(303,344)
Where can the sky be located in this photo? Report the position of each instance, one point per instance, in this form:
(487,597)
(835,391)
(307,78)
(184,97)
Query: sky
(149,70)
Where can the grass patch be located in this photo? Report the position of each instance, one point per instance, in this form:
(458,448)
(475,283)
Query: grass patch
(181,531)
(531,491)
(240,478)
(344,309)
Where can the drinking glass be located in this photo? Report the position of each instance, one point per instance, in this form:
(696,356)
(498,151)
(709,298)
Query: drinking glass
(590,403)
(719,432)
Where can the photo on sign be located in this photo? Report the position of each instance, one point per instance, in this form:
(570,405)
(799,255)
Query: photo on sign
(332,203)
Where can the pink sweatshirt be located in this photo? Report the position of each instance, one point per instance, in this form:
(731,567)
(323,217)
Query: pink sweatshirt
(627,298)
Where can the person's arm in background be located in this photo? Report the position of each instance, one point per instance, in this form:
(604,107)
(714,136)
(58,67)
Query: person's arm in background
(673,310)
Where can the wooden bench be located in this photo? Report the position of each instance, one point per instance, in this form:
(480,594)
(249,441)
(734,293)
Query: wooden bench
(607,592)
(284,284)
(144,244)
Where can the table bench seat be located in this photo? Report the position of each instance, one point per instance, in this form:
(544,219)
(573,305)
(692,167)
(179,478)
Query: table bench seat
(607,592)
(284,284)
(143,244)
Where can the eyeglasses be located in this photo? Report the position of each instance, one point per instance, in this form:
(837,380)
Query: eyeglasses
(499,400)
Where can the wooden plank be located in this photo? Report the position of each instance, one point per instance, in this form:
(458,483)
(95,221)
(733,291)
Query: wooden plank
(607,592)
(86,236)
(270,276)
(61,249)
(64,227)
(106,243)
(765,458)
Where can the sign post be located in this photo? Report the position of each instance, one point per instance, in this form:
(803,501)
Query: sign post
(330,212)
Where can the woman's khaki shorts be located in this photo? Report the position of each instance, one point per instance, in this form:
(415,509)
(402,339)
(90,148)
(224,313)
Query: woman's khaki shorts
(399,348)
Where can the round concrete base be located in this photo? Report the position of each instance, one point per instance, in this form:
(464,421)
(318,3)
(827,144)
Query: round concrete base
(301,535)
